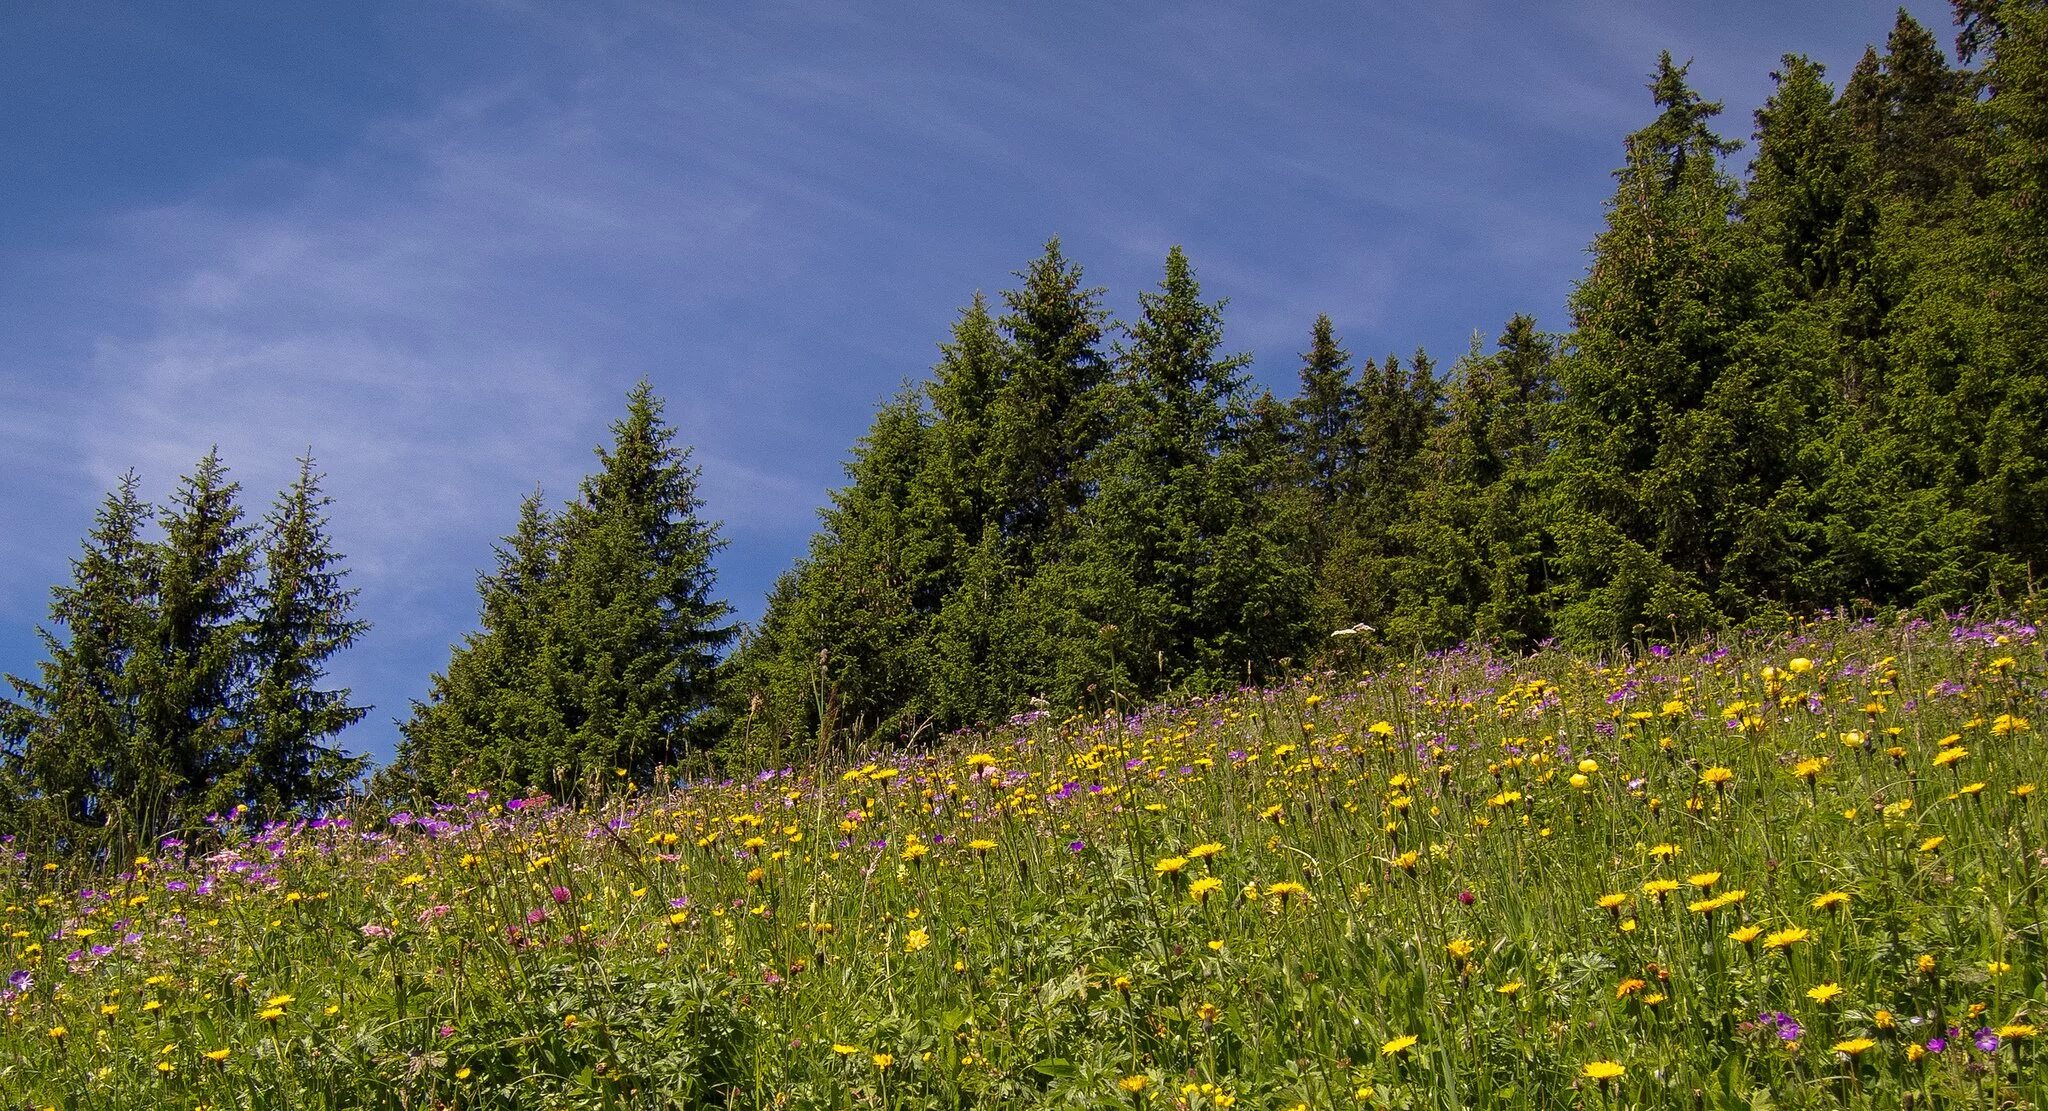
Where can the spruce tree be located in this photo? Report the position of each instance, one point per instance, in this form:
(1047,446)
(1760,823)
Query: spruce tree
(303,618)
(489,717)
(74,745)
(1394,409)
(840,655)
(194,667)
(600,636)
(1050,411)
(1173,580)
(642,631)
(1656,321)
(1992,286)
(1326,438)
(958,493)
(1473,559)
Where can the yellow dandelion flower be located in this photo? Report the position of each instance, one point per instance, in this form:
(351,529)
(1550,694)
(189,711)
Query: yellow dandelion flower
(1201,889)
(1134,1084)
(217,1055)
(1205,851)
(1786,938)
(1831,899)
(1170,866)
(1398,1045)
(1603,1071)
(1825,993)
(1854,1046)
(1746,934)
(1949,756)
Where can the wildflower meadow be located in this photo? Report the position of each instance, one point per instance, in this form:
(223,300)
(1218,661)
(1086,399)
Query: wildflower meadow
(1797,870)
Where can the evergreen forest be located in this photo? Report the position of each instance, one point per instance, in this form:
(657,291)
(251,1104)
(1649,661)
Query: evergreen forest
(1803,371)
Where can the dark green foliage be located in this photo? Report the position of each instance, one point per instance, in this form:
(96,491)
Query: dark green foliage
(1049,410)
(919,605)
(599,639)
(75,739)
(1817,387)
(1475,545)
(841,648)
(188,680)
(1174,573)
(303,620)
(193,661)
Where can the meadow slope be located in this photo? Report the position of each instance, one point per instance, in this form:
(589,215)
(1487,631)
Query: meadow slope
(1796,871)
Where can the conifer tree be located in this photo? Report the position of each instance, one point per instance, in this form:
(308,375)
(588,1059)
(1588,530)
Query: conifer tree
(1473,558)
(958,492)
(1172,570)
(1050,411)
(1326,437)
(1995,292)
(841,653)
(488,718)
(1924,141)
(600,637)
(188,681)
(194,667)
(641,631)
(1394,409)
(1657,321)
(303,618)
(72,740)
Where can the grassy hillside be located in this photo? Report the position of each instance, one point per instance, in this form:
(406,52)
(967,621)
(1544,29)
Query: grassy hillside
(1799,872)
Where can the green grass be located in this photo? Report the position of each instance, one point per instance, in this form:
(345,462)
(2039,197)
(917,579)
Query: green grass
(926,931)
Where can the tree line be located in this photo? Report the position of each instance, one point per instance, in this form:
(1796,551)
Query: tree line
(1816,385)
(1819,383)
(192,681)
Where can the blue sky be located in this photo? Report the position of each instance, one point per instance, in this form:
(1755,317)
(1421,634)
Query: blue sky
(436,242)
